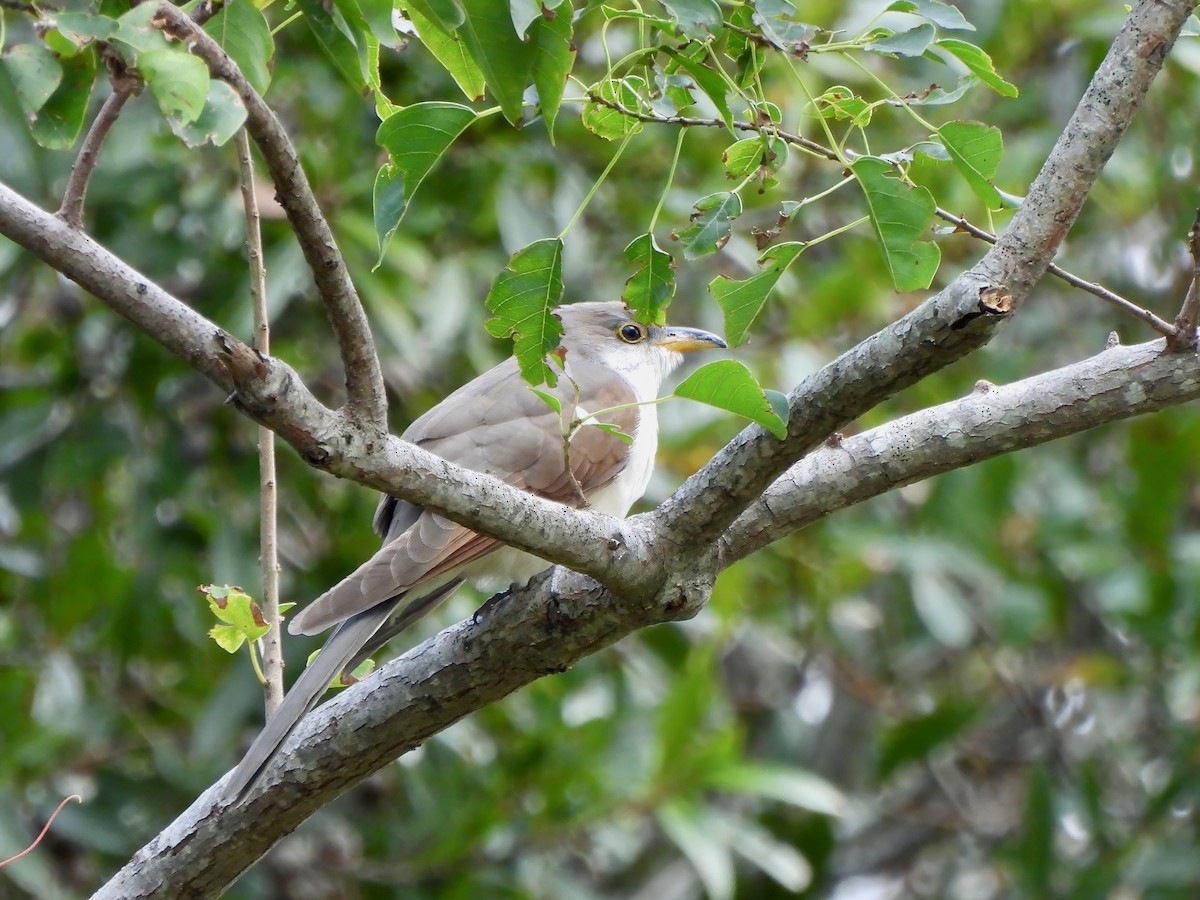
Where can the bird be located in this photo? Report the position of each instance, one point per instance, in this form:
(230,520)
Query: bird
(610,366)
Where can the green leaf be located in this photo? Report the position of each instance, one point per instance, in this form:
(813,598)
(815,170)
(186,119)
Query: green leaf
(916,738)
(499,52)
(448,14)
(415,138)
(335,41)
(708,80)
(649,290)
(522,299)
(774,19)
(899,214)
(219,120)
(82,28)
(241,30)
(135,34)
(727,384)
(1034,846)
(240,617)
(616,432)
(178,81)
(795,786)
(449,48)
(975,150)
(372,17)
(980,65)
(840,102)
(35,72)
(696,19)
(60,119)
(550,400)
(361,671)
(553,55)
(913,42)
(709,855)
(936,96)
(762,156)
(940,14)
(711,224)
(606,122)
(741,301)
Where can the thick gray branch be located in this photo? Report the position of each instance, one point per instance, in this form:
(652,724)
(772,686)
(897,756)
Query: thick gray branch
(964,315)
(1119,383)
(365,393)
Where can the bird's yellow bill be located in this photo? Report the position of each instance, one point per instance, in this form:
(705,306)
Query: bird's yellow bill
(681,340)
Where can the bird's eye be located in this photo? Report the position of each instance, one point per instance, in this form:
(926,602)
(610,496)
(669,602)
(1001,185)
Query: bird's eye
(632,333)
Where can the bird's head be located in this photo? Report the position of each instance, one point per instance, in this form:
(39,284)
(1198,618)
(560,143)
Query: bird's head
(606,333)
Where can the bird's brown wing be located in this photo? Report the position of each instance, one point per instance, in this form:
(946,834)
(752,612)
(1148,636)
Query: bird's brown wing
(519,440)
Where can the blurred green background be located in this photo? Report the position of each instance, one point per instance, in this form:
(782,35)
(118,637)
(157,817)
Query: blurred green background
(981,686)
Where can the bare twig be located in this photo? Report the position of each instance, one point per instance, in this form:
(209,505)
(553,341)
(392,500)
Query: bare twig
(1189,315)
(365,396)
(1162,326)
(89,153)
(41,834)
(268,559)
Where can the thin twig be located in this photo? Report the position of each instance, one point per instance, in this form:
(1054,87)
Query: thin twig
(268,559)
(1158,324)
(42,833)
(1189,315)
(71,209)
(125,85)
(365,396)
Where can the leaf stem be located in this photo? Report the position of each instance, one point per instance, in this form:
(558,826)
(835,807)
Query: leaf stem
(596,186)
(670,180)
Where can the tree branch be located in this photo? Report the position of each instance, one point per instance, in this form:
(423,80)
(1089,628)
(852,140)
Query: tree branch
(469,666)
(268,491)
(89,153)
(1162,326)
(992,421)
(366,397)
(960,318)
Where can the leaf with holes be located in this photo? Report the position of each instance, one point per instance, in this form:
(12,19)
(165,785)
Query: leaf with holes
(608,123)
(742,301)
(649,290)
(711,224)
(521,301)
(219,120)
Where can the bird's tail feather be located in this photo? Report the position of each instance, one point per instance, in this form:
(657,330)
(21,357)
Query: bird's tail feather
(338,651)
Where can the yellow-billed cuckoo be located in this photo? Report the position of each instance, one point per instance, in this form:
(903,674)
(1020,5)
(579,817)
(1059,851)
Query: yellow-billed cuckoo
(494,424)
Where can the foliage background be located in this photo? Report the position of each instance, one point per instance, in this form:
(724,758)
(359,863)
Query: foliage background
(998,670)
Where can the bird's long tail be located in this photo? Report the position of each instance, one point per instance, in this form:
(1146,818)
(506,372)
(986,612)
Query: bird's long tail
(353,641)
(341,647)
